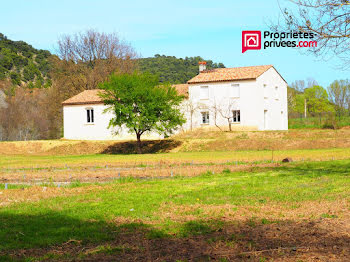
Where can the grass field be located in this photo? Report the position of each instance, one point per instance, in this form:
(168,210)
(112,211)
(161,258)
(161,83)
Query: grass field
(100,160)
(294,212)
(317,122)
(200,196)
(100,167)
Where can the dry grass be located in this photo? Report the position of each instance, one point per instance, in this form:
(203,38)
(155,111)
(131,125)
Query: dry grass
(109,173)
(277,140)
(199,140)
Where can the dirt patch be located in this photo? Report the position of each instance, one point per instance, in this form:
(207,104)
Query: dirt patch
(287,240)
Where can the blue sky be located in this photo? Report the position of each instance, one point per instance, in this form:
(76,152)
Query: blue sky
(211,29)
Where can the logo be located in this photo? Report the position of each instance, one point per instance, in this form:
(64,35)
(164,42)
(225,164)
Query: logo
(251,40)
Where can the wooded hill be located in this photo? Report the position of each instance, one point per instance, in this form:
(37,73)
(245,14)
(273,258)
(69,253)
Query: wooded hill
(174,70)
(23,64)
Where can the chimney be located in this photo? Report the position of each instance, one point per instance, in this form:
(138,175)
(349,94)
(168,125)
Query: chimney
(202,66)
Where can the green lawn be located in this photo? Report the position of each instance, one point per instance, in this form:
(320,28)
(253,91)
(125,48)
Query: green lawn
(30,161)
(316,122)
(98,213)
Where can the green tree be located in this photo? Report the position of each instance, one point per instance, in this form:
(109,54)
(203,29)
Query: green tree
(6,60)
(339,93)
(15,78)
(38,83)
(28,74)
(317,100)
(141,104)
(2,73)
(300,103)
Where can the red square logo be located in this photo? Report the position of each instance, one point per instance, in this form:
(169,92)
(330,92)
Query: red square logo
(251,40)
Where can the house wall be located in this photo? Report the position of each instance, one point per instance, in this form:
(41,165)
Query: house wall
(251,103)
(221,99)
(76,126)
(274,103)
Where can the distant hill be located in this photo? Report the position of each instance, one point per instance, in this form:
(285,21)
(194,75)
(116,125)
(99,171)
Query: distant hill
(174,70)
(23,64)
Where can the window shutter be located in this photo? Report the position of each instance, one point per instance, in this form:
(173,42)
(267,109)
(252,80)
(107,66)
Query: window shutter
(204,92)
(88,115)
(235,90)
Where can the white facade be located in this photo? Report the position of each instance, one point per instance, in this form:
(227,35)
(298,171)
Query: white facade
(261,104)
(77,126)
(257,104)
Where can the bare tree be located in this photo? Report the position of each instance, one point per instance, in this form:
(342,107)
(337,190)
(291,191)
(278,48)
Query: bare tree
(215,109)
(25,116)
(191,108)
(84,60)
(90,57)
(3,103)
(329,20)
(339,94)
(226,111)
(311,82)
(296,89)
(298,85)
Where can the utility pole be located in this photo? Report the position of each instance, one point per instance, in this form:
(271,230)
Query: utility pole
(305,108)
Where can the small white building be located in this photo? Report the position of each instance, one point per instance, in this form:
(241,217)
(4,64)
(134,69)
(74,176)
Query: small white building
(245,98)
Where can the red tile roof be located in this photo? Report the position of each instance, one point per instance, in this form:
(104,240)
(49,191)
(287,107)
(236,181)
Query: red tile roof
(230,74)
(85,97)
(182,89)
(91,96)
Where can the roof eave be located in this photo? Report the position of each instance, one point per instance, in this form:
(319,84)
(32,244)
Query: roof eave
(280,75)
(216,81)
(82,103)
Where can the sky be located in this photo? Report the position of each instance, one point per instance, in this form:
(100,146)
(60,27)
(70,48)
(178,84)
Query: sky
(206,28)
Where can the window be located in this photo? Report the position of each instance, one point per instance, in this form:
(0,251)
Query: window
(236,116)
(265,91)
(204,92)
(235,90)
(90,115)
(276,93)
(205,117)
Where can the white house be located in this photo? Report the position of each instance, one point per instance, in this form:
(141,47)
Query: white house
(245,98)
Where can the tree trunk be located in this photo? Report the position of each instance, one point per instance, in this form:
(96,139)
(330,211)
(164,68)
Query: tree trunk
(139,144)
(305,108)
(191,119)
(229,125)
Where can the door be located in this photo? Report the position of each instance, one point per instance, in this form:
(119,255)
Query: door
(282,120)
(265,120)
